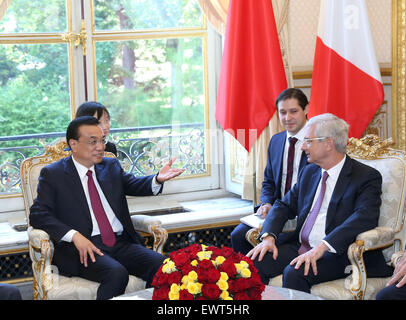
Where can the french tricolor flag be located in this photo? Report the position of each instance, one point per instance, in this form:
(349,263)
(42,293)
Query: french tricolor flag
(346,79)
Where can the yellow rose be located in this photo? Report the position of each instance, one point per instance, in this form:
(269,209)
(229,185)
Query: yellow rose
(194,263)
(173,296)
(223,285)
(220,260)
(224,295)
(193,288)
(204,255)
(174,288)
(169,267)
(192,276)
(223,276)
(244,263)
(245,273)
(239,267)
(185,279)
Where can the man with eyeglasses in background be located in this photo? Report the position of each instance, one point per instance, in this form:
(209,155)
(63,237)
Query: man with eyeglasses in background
(82,204)
(335,198)
(285,159)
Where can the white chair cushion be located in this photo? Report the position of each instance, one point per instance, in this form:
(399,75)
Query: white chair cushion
(335,290)
(75,288)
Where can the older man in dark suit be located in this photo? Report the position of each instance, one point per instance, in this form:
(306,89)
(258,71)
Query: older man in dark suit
(82,204)
(334,200)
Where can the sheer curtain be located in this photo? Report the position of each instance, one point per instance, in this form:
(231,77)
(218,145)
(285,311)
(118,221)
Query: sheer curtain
(216,13)
(4,4)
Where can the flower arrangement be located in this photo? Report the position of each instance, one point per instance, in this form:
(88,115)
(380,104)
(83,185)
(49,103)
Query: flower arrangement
(200,272)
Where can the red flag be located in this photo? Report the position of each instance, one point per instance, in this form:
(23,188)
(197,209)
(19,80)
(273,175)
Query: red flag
(252,73)
(346,78)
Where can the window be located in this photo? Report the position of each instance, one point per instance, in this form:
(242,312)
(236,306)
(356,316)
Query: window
(145,60)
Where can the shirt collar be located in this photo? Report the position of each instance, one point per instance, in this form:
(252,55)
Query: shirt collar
(299,135)
(334,172)
(82,170)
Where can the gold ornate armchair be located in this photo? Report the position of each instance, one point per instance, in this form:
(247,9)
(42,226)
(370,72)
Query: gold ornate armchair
(390,233)
(47,283)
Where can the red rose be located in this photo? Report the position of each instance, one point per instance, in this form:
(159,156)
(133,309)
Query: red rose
(205,264)
(162,279)
(161,293)
(185,295)
(254,293)
(211,291)
(180,259)
(186,269)
(228,267)
(244,283)
(174,277)
(213,275)
(194,249)
(235,286)
(227,252)
(241,296)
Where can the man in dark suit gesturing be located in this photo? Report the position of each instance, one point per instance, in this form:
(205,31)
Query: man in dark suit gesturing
(334,199)
(82,204)
(285,159)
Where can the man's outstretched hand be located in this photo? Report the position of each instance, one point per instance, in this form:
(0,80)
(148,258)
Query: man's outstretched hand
(167,172)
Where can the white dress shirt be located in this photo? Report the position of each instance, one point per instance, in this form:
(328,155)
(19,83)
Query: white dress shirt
(317,234)
(115,223)
(298,154)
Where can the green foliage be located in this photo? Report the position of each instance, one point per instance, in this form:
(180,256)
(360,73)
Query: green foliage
(143,82)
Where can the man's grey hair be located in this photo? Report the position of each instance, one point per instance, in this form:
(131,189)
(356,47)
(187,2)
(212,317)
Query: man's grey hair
(329,125)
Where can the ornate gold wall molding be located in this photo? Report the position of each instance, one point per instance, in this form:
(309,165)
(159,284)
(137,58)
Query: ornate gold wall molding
(398,73)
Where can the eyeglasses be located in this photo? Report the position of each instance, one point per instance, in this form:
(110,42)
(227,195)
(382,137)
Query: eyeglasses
(94,142)
(308,141)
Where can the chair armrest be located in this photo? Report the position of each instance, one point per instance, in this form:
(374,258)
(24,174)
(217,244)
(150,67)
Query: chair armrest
(369,240)
(145,223)
(41,252)
(36,236)
(376,238)
(151,225)
(396,256)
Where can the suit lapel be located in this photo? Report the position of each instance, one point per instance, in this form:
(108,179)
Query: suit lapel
(303,161)
(75,185)
(308,200)
(279,159)
(343,180)
(105,183)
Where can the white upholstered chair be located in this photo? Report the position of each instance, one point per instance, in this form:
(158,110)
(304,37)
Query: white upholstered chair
(390,233)
(47,283)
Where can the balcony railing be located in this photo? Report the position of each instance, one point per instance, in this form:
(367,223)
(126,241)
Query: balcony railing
(141,150)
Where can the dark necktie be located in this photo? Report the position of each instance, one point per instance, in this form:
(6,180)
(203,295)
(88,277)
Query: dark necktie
(106,231)
(312,217)
(291,158)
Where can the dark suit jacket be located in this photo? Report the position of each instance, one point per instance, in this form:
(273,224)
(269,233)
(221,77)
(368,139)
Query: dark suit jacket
(61,204)
(271,186)
(354,205)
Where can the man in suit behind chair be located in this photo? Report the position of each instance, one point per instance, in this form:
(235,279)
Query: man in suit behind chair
(77,194)
(292,106)
(331,211)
